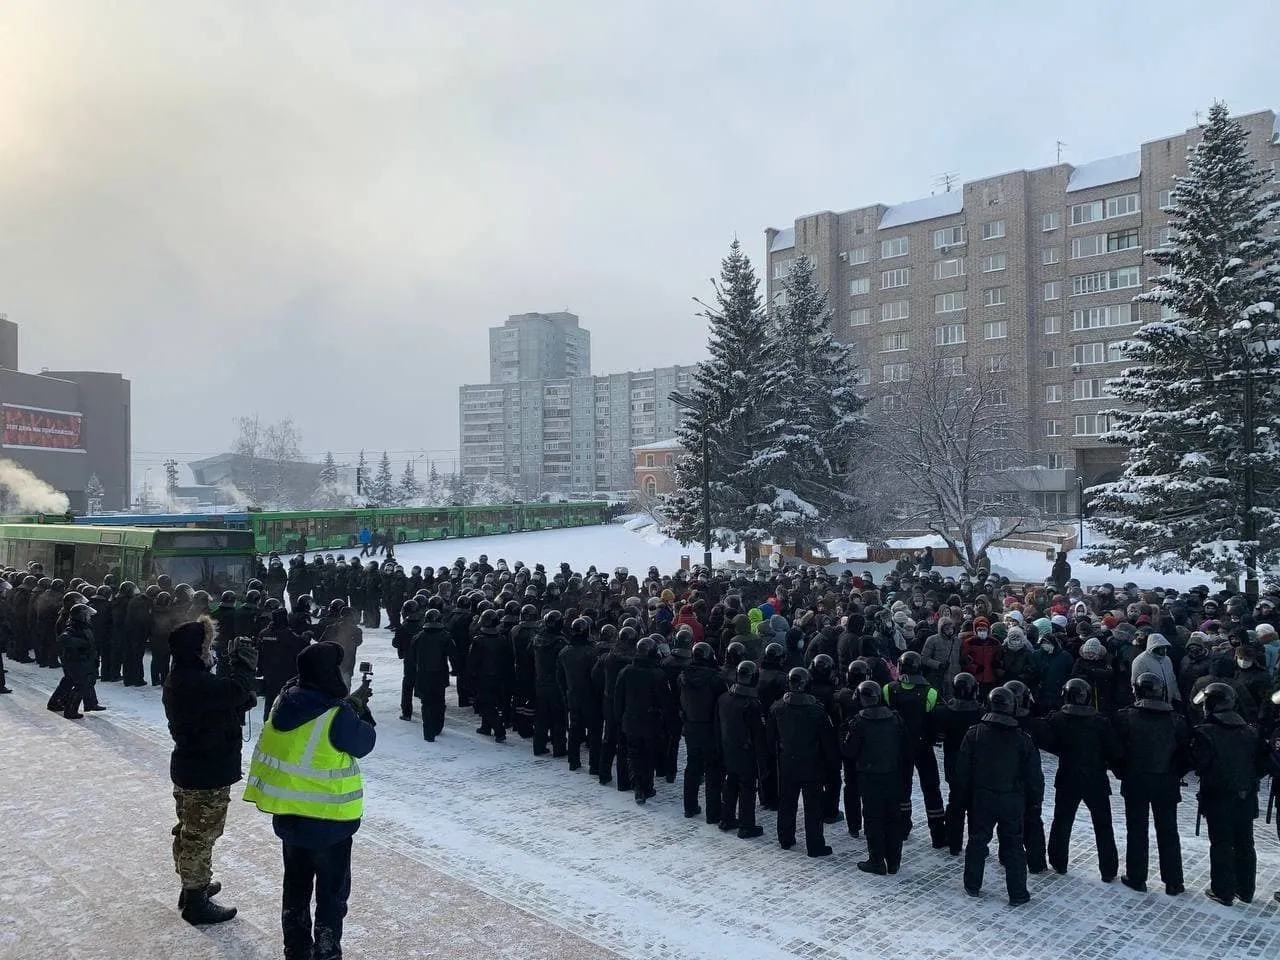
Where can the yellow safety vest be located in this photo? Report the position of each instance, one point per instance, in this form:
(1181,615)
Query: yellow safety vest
(299,772)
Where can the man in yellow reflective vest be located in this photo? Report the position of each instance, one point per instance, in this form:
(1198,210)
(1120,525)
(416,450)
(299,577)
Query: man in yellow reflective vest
(305,773)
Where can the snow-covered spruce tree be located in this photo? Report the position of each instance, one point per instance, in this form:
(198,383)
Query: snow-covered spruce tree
(1181,499)
(808,458)
(734,391)
(409,490)
(383,490)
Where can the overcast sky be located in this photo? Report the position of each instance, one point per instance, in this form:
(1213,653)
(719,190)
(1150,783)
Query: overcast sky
(316,209)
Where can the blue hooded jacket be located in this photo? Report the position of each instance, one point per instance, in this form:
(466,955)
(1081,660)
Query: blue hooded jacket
(298,705)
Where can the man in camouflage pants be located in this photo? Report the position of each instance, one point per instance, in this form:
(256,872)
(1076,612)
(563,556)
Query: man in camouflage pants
(205,713)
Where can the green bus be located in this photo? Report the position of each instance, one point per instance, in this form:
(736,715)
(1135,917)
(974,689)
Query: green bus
(212,560)
(282,532)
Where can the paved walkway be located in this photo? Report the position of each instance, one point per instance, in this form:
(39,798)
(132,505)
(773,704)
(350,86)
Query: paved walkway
(476,850)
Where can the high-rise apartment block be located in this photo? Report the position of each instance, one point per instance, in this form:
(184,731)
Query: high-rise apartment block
(538,346)
(1029,275)
(545,424)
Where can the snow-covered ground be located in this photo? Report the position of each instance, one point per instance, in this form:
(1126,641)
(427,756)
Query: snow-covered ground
(635,544)
(480,850)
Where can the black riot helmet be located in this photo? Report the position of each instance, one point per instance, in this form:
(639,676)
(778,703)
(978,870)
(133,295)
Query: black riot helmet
(104,592)
(489,618)
(432,615)
(823,669)
(797,679)
(552,620)
(336,606)
(646,648)
(1021,694)
(228,598)
(868,693)
(703,653)
(409,609)
(774,656)
(910,667)
(1077,691)
(152,592)
(627,638)
(511,608)
(1217,697)
(857,671)
(1148,686)
(580,630)
(81,613)
(164,600)
(965,686)
(747,673)
(1002,701)
(528,613)
(253,598)
(734,654)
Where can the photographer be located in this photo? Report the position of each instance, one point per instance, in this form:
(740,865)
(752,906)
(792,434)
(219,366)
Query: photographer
(305,773)
(205,714)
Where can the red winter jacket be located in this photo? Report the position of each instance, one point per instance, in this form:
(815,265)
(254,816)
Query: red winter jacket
(979,657)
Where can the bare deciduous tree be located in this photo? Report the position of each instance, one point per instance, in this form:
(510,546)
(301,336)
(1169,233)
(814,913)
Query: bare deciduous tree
(953,441)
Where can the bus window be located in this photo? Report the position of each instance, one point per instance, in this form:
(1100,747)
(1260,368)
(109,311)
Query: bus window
(64,561)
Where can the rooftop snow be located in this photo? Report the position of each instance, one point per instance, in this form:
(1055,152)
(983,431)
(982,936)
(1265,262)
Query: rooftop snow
(660,445)
(927,208)
(785,240)
(1127,166)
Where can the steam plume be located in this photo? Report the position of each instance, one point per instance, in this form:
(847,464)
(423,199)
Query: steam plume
(27,493)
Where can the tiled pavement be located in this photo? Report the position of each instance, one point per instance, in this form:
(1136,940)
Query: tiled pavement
(475,849)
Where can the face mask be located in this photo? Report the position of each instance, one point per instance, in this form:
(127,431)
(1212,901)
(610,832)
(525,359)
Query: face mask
(1047,647)
(1243,664)
(982,634)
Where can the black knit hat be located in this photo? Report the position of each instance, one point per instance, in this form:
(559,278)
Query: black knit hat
(319,667)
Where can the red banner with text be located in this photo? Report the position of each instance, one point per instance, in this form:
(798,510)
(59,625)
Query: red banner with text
(33,427)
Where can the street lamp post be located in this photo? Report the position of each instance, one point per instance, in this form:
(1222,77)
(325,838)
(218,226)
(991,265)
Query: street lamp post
(688,403)
(1080,508)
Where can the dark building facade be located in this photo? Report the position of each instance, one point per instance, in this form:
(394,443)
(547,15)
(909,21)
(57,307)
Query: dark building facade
(65,426)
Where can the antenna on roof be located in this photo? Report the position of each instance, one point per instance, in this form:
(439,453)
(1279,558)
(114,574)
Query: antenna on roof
(1060,146)
(1197,116)
(946,180)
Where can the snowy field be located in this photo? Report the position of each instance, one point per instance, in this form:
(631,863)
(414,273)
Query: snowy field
(637,547)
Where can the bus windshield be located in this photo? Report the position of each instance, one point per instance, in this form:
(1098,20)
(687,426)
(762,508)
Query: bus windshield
(214,574)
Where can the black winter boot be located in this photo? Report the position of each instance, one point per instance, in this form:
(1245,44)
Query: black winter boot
(200,910)
(212,890)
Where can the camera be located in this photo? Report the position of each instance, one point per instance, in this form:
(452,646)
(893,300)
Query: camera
(366,670)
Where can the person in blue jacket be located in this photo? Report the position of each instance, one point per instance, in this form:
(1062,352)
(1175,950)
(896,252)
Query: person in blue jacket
(1052,666)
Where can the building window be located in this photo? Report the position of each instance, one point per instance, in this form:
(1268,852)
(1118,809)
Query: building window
(993,230)
(1087,353)
(891,404)
(948,237)
(1054,461)
(1052,359)
(949,333)
(952,366)
(650,486)
(995,330)
(1053,324)
(1050,255)
(1122,206)
(860,255)
(895,373)
(1052,428)
(995,261)
(1053,393)
(1092,425)
(1118,315)
(894,341)
(1116,351)
(995,296)
(859,285)
(1086,212)
(1118,240)
(1091,389)
(648,459)
(897,247)
(859,377)
(997,363)
(895,278)
(1164,199)
(782,268)
(1053,290)
(895,310)
(860,317)
(998,397)
(948,302)
(946,269)
(1050,221)
(1165,236)
(1119,279)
